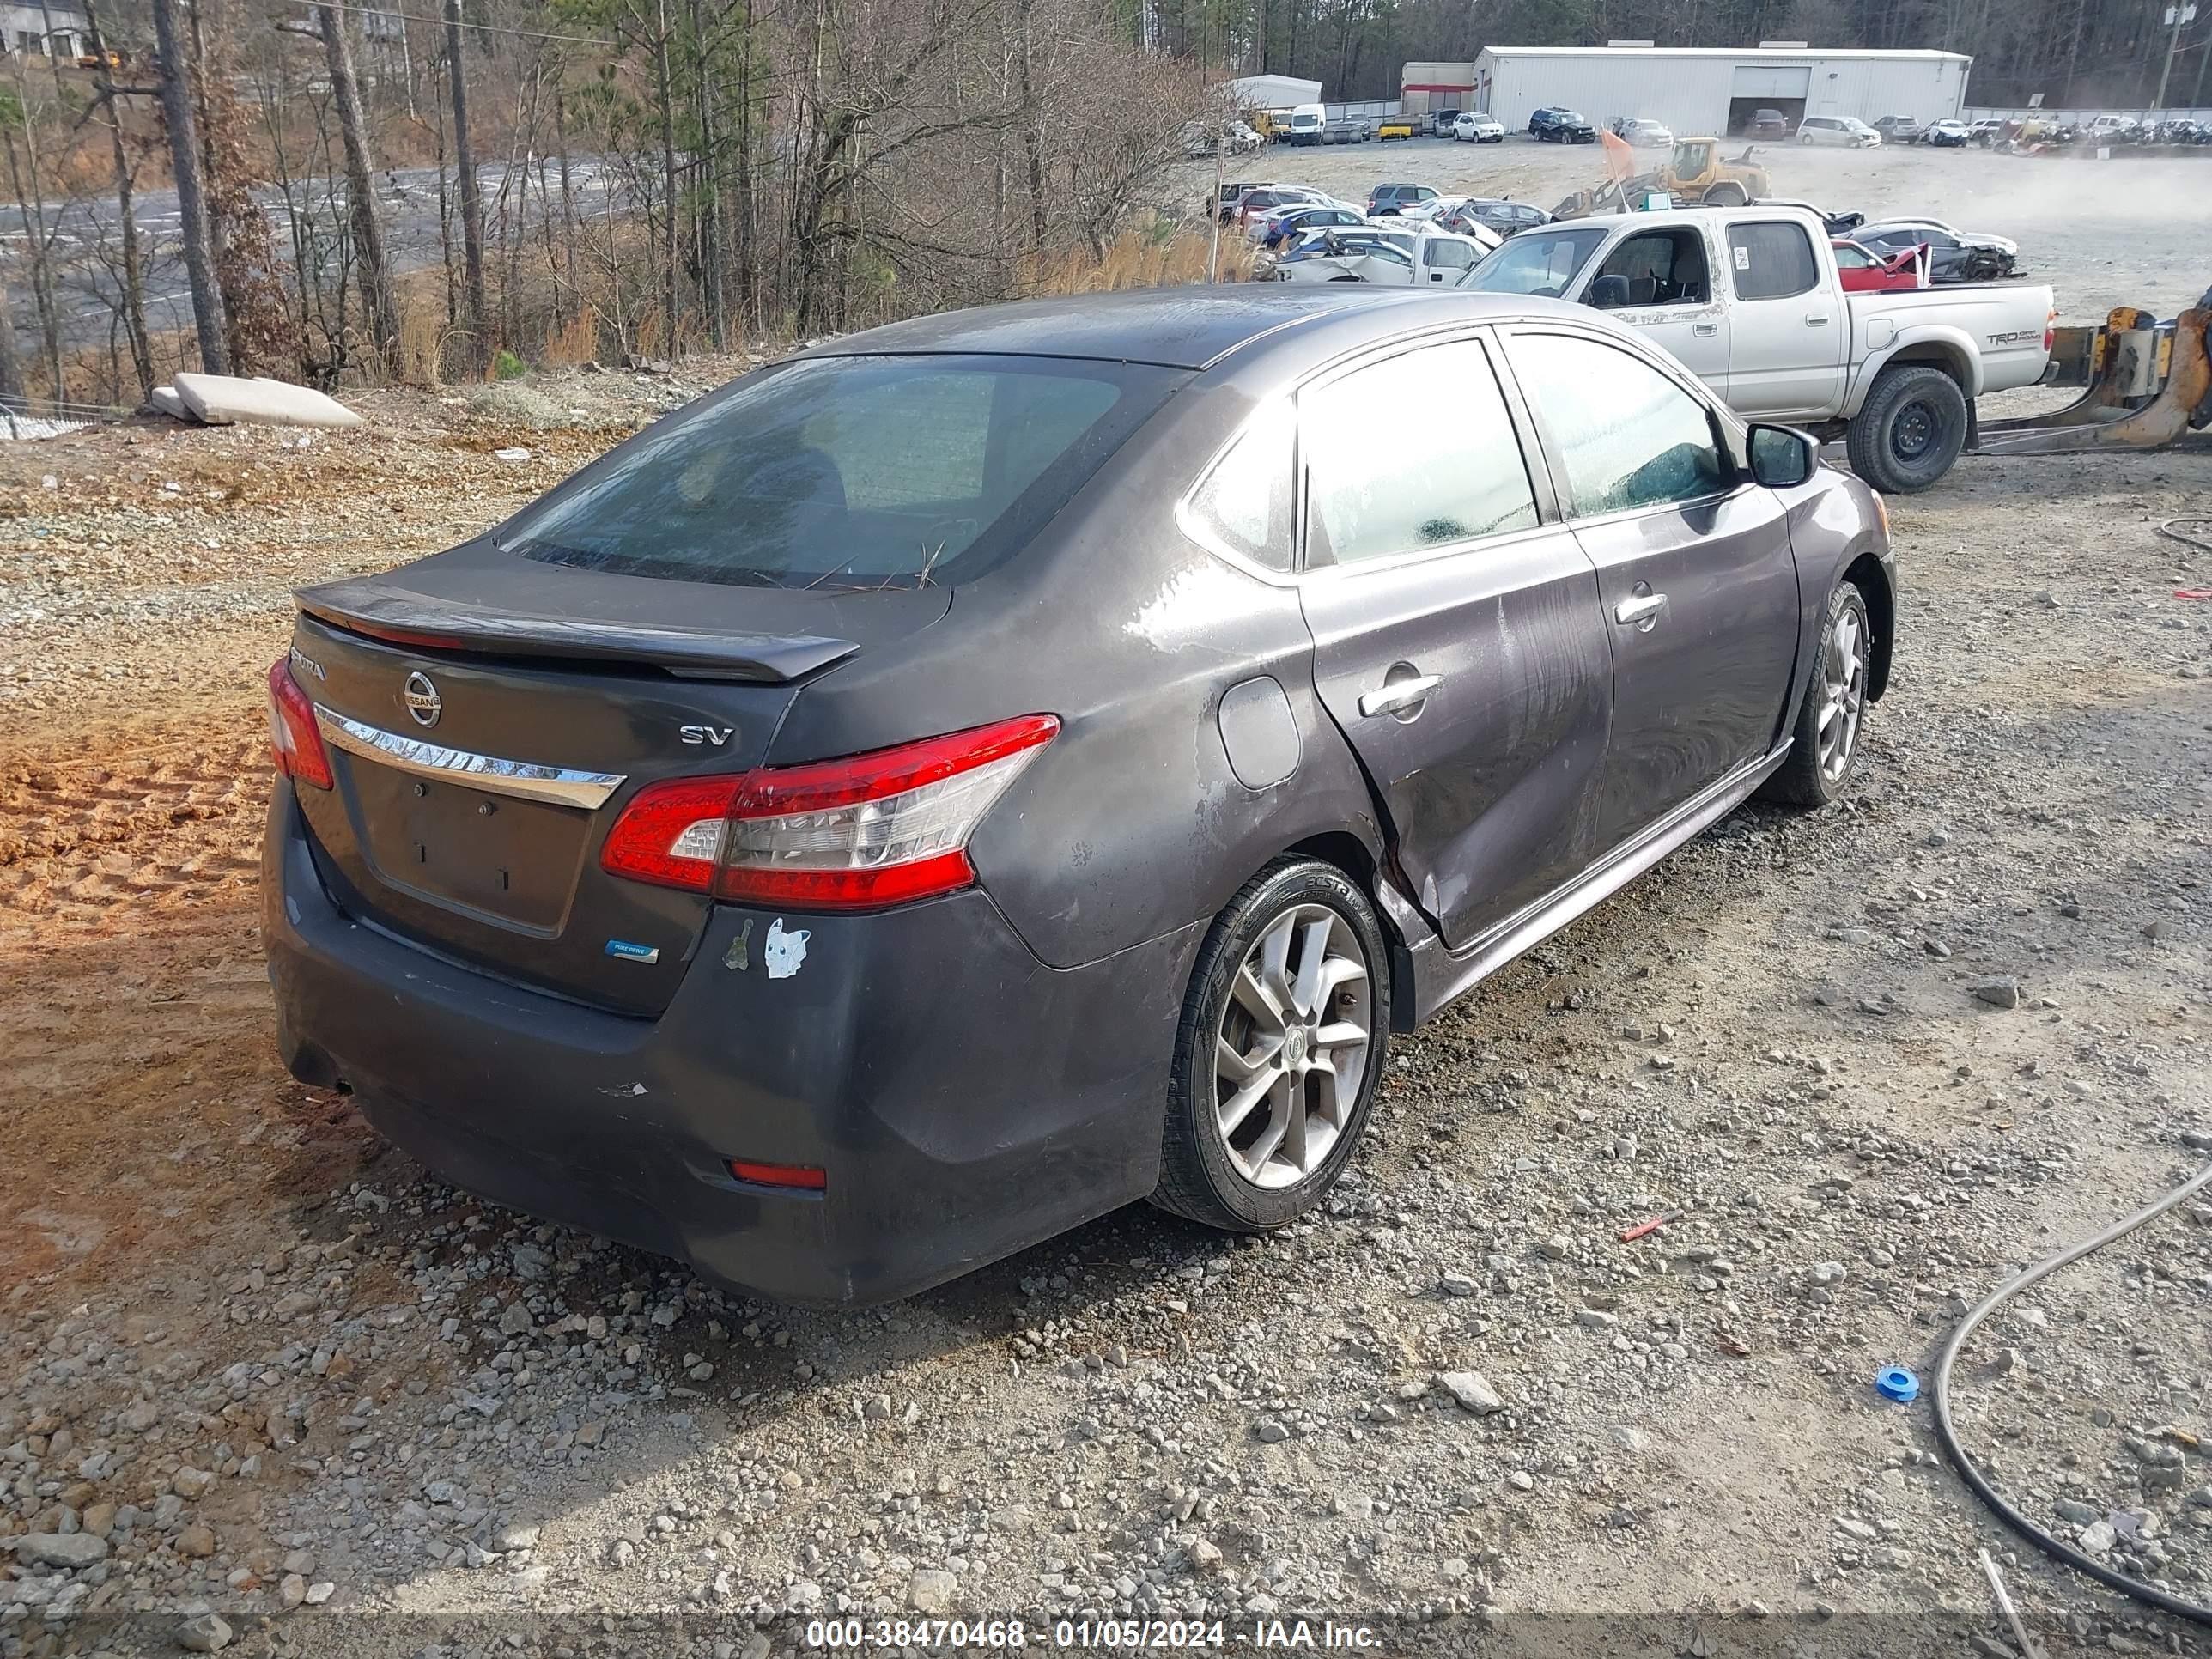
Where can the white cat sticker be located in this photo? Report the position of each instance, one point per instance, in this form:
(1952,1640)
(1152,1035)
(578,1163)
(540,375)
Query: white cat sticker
(784,951)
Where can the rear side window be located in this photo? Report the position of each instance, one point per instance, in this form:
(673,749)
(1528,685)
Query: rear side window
(1772,261)
(854,473)
(1628,436)
(1375,486)
(1244,503)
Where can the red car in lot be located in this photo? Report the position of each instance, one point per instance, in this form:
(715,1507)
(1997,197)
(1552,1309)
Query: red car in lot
(1864,272)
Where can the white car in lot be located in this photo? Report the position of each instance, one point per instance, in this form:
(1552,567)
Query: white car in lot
(1409,257)
(1884,230)
(1440,213)
(1474,127)
(1847,130)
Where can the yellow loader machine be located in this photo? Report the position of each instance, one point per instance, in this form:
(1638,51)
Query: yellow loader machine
(1697,173)
(2147,383)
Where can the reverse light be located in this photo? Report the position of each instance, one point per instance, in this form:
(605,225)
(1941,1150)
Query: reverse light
(295,746)
(865,831)
(799,1177)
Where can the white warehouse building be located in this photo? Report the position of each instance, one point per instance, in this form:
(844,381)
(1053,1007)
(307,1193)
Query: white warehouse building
(1701,90)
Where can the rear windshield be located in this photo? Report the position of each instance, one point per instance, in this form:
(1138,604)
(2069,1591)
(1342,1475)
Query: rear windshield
(848,472)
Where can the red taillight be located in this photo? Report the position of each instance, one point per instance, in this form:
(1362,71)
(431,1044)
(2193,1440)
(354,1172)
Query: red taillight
(869,830)
(295,745)
(672,833)
(798,1177)
(2050,330)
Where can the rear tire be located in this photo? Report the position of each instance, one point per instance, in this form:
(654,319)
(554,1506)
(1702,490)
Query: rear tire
(1824,754)
(1281,1046)
(1910,430)
(1726,195)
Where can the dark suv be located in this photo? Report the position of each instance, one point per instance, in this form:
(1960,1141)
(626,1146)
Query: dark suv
(1768,124)
(1388,201)
(1563,126)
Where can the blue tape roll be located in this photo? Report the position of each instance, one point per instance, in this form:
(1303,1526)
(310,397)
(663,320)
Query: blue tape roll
(1895,1382)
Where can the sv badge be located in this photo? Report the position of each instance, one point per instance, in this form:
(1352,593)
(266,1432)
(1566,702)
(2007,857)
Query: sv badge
(717,735)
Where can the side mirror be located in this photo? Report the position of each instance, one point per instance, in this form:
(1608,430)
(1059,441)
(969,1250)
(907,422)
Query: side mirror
(1609,293)
(1782,457)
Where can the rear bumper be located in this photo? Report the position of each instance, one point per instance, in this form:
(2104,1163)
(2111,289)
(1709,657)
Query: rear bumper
(965,1100)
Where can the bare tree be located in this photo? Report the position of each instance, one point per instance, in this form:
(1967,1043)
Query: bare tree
(209,321)
(471,203)
(133,273)
(377,300)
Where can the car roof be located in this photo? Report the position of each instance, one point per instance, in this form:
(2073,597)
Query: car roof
(1198,327)
(1193,327)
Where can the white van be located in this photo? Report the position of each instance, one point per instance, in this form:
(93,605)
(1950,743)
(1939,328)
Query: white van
(1845,129)
(1307,123)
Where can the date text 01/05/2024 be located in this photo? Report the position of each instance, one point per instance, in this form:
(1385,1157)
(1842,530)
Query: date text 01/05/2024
(1100,1634)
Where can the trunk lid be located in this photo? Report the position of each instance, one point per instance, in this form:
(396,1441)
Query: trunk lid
(487,718)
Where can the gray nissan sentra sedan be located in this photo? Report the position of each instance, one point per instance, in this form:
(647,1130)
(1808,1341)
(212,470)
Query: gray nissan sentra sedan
(979,772)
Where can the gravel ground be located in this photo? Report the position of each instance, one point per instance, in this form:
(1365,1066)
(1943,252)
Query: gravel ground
(265,1386)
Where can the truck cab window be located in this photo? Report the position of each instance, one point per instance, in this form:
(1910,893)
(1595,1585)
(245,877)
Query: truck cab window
(1773,261)
(1662,268)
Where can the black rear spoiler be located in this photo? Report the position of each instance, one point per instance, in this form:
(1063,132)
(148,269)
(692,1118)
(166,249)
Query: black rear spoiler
(399,617)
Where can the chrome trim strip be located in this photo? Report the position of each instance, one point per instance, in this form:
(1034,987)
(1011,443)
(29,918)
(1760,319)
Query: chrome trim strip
(1442,975)
(560,784)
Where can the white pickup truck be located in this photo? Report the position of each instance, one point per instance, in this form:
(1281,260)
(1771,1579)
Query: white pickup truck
(1748,298)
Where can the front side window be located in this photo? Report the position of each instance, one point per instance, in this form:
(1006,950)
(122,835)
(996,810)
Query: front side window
(1772,261)
(1450,256)
(1662,268)
(857,472)
(1375,486)
(1626,436)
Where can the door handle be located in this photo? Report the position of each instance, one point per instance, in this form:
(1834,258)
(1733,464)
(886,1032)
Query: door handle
(1816,322)
(1640,612)
(1705,329)
(1399,696)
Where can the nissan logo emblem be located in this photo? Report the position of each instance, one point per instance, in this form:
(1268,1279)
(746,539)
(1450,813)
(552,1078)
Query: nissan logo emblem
(422,699)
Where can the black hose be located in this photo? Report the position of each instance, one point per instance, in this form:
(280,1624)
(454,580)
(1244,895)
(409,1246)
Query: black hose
(1974,1477)
(2168,530)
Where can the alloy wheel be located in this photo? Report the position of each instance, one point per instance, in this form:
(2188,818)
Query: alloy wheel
(1292,1053)
(1843,689)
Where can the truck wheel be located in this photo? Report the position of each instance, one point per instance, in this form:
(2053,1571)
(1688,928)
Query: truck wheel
(1726,195)
(1910,430)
